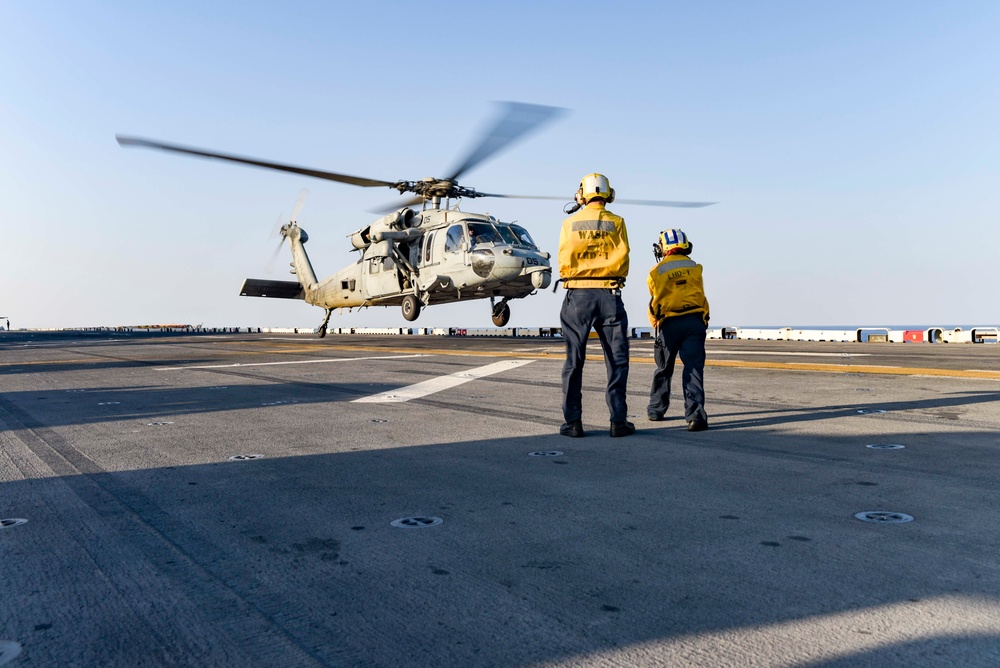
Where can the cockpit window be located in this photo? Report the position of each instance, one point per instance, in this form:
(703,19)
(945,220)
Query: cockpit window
(484,233)
(507,234)
(453,242)
(523,237)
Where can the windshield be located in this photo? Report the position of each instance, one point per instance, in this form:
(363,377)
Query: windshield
(507,234)
(523,236)
(483,233)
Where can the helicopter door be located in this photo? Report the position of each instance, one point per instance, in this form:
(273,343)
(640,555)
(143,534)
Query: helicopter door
(381,277)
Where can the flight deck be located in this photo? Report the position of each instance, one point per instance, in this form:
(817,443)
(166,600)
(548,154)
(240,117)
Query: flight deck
(283,500)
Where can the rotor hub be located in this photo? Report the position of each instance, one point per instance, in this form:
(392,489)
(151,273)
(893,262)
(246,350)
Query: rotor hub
(431,188)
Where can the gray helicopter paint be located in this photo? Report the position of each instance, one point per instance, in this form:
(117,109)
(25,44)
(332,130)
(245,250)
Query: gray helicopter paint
(394,242)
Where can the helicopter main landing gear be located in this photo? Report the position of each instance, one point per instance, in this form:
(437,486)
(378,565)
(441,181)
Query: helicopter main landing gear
(501,313)
(326,320)
(411,307)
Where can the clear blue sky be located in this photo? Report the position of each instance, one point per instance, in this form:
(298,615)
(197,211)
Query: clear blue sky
(853,147)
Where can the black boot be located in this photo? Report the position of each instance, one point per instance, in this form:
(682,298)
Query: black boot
(622,429)
(697,425)
(572,429)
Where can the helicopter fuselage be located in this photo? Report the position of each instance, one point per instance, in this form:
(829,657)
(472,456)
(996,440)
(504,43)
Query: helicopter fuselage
(436,256)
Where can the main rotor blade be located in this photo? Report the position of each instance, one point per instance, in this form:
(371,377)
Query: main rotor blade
(517,119)
(643,202)
(658,202)
(319,174)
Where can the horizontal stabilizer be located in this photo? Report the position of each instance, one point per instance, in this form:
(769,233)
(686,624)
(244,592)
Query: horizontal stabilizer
(259,287)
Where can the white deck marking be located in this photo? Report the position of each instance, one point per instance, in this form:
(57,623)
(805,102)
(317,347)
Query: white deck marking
(322,361)
(422,389)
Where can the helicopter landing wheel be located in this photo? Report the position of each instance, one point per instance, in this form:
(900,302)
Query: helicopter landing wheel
(321,332)
(411,307)
(501,316)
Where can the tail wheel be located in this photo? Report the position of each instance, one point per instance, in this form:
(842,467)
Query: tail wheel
(501,316)
(321,331)
(411,307)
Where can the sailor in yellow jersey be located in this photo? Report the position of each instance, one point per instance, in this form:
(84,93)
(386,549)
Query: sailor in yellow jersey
(678,310)
(593,264)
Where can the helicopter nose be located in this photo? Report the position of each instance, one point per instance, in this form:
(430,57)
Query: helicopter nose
(507,267)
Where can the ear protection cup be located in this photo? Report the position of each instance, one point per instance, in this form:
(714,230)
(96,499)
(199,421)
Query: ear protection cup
(611,197)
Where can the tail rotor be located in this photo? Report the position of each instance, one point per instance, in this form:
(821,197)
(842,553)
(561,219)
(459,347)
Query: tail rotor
(281,225)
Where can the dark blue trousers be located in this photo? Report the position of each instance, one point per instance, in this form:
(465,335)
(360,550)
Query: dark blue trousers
(600,309)
(683,334)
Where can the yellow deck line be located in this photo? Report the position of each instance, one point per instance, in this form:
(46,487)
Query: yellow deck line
(292,348)
(859,368)
(781,366)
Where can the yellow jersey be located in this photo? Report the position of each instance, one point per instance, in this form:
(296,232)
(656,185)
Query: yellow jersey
(593,244)
(676,288)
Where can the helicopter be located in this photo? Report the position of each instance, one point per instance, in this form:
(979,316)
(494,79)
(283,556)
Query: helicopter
(413,259)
